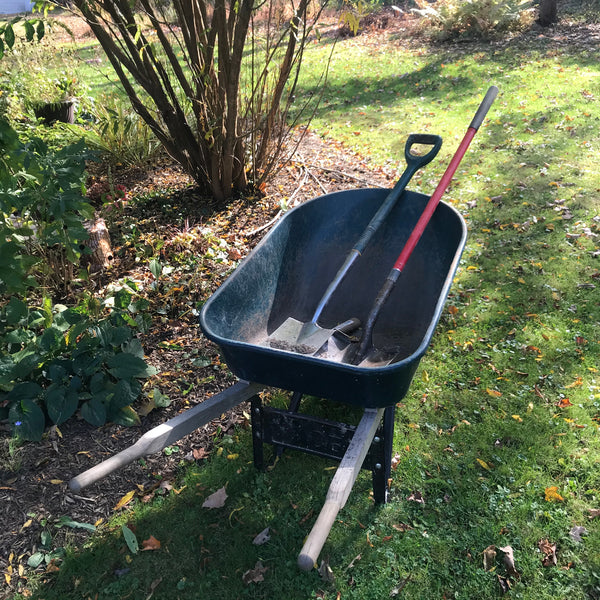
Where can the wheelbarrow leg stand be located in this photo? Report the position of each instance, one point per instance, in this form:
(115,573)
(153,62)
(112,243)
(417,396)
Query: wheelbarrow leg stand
(381,462)
(257,432)
(320,437)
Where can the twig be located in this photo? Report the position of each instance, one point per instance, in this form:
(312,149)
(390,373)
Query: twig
(300,186)
(313,175)
(348,175)
(93,500)
(398,589)
(265,226)
(317,180)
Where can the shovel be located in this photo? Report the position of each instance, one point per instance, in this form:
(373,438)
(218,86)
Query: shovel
(308,338)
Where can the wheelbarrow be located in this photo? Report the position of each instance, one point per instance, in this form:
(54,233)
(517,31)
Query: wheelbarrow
(264,290)
(286,272)
(282,278)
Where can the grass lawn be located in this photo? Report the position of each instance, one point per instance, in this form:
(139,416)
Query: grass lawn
(497,443)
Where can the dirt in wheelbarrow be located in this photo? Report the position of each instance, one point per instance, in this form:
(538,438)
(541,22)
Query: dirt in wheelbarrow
(34,493)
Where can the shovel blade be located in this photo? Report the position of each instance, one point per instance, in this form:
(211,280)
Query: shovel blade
(299,337)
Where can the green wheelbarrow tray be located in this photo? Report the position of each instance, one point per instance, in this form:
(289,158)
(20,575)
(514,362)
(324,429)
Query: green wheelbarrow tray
(288,272)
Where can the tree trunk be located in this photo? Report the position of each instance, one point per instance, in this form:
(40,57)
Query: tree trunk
(99,244)
(548,13)
(199,106)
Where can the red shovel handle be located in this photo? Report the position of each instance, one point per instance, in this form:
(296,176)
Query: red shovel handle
(417,232)
(419,228)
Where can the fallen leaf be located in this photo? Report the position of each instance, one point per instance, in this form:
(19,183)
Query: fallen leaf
(307,516)
(151,544)
(552,494)
(199,453)
(326,572)
(401,527)
(489,558)
(594,512)
(576,533)
(483,464)
(146,408)
(494,393)
(509,561)
(262,538)
(578,381)
(153,586)
(548,549)
(56,481)
(564,402)
(354,561)
(255,575)
(216,500)
(125,500)
(52,567)
(416,497)
(130,539)
(504,584)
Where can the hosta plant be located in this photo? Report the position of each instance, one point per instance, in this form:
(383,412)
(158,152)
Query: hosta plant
(55,361)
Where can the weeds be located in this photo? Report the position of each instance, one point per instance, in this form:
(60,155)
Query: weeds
(120,135)
(475,19)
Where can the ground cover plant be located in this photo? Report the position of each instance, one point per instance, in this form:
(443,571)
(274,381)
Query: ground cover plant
(495,487)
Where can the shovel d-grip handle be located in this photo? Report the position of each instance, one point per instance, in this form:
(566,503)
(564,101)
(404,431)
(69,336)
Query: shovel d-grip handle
(414,162)
(340,487)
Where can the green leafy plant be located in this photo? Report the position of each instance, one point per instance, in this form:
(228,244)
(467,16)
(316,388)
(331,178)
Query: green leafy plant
(36,74)
(57,360)
(42,213)
(119,133)
(35,29)
(45,554)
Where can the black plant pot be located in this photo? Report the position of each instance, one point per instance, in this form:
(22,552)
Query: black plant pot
(63,111)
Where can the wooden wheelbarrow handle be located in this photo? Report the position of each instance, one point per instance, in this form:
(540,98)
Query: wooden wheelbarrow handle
(173,430)
(340,487)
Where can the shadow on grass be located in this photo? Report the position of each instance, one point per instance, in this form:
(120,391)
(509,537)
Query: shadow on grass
(210,552)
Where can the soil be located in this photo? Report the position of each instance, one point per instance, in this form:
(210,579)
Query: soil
(34,477)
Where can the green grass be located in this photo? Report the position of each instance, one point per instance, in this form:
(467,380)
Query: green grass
(505,405)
